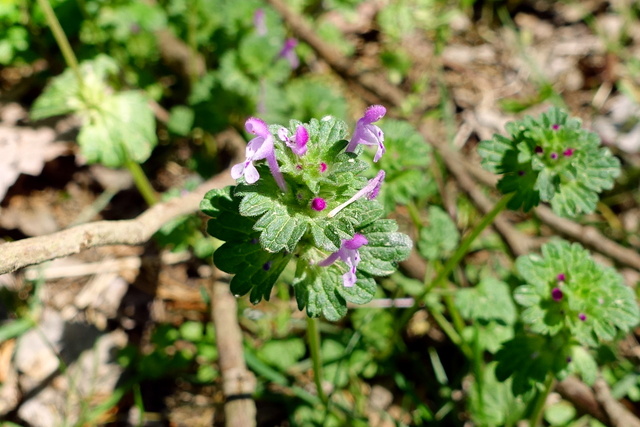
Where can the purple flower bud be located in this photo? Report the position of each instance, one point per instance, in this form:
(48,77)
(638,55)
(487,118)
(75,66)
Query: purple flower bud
(568,152)
(350,255)
(554,156)
(561,277)
(538,149)
(555,127)
(556,294)
(367,133)
(322,167)
(582,316)
(318,204)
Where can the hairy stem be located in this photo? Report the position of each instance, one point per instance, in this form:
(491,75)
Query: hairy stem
(313,335)
(142,183)
(61,39)
(536,413)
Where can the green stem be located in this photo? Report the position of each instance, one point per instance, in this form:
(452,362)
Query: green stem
(313,335)
(536,414)
(456,257)
(414,214)
(61,39)
(142,183)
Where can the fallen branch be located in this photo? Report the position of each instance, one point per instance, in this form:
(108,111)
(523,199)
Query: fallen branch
(238,383)
(34,250)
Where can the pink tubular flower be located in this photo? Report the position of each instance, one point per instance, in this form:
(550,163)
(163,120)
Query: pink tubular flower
(298,143)
(367,133)
(260,147)
(259,22)
(287,52)
(370,190)
(348,253)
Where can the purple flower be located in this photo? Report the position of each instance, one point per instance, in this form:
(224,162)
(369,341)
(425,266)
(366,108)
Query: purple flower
(323,167)
(370,190)
(568,152)
(367,133)
(582,316)
(555,127)
(318,204)
(298,143)
(561,277)
(538,149)
(556,294)
(287,52)
(259,22)
(260,147)
(554,156)
(348,253)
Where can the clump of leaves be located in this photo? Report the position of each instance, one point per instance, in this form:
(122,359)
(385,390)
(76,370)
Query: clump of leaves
(567,290)
(571,304)
(312,205)
(550,159)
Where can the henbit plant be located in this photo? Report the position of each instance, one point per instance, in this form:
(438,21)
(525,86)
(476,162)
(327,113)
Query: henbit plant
(550,159)
(309,204)
(571,304)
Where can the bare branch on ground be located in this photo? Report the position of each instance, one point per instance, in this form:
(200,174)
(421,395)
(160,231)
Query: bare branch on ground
(34,250)
(238,383)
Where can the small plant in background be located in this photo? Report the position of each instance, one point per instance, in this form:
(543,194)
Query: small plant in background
(571,304)
(551,159)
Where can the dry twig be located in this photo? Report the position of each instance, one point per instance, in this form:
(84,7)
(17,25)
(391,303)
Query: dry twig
(238,383)
(22,253)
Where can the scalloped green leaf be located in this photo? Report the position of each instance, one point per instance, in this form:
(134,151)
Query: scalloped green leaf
(386,248)
(489,300)
(526,360)
(584,364)
(123,129)
(255,269)
(64,95)
(317,291)
(440,237)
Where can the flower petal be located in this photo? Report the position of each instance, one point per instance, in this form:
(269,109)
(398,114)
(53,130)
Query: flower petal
(373,114)
(257,127)
(251,174)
